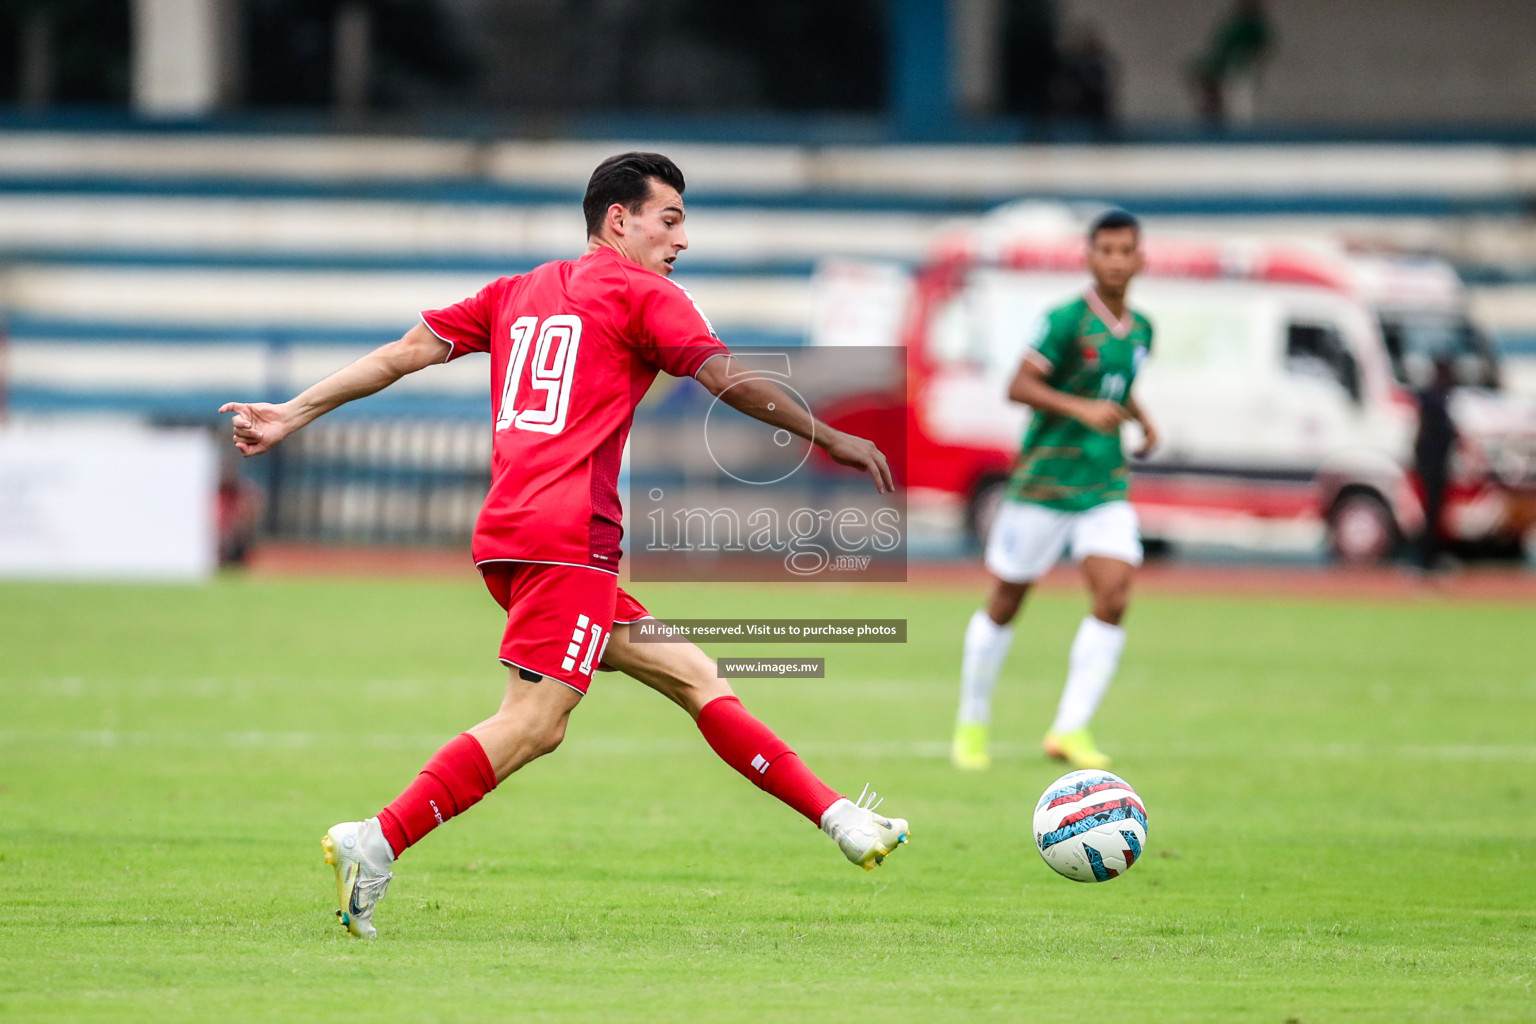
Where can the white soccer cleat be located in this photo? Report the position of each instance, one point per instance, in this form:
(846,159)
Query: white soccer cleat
(361,856)
(866,838)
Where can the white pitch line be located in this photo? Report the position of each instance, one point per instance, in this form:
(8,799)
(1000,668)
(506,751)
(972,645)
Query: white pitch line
(631,746)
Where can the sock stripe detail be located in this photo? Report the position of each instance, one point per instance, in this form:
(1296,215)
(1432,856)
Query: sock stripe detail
(451,782)
(751,748)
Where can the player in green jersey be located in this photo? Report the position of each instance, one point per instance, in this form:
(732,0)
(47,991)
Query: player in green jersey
(1068,487)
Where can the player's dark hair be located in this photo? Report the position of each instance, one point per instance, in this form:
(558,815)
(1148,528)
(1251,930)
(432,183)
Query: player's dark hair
(626,179)
(1113,220)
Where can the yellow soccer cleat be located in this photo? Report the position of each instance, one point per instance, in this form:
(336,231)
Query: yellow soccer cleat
(361,856)
(1076,748)
(969,750)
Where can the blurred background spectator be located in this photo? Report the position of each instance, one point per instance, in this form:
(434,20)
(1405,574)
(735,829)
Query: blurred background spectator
(238,511)
(1084,87)
(1432,447)
(1226,74)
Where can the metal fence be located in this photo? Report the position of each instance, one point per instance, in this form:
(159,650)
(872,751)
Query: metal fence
(379,482)
(408,466)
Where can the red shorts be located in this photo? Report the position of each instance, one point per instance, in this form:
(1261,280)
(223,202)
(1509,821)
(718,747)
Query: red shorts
(559,617)
(625,610)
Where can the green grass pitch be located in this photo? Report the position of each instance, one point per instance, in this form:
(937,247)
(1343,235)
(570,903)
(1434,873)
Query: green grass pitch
(1341,798)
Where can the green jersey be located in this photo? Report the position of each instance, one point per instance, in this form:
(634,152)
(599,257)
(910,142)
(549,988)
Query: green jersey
(1063,464)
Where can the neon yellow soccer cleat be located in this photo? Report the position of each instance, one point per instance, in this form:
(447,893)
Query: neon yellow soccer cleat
(969,751)
(361,856)
(1075,748)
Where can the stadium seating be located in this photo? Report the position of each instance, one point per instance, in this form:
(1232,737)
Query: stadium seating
(150,247)
(156,273)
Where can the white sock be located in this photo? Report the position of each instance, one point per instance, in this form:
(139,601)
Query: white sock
(986,645)
(1095,657)
(842,815)
(375,847)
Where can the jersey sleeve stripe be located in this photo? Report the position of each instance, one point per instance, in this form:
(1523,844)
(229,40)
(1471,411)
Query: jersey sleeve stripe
(446,341)
(707,357)
(1035,356)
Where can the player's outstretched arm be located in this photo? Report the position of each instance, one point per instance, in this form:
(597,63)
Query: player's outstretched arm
(259,426)
(1029,387)
(764,400)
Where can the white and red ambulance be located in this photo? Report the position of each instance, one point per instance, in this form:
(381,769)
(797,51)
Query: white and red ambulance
(1279,378)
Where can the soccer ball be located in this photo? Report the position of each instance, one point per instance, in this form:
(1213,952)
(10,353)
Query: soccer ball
(1090,826)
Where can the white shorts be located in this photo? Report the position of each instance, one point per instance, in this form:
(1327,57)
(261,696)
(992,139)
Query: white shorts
(1027,539)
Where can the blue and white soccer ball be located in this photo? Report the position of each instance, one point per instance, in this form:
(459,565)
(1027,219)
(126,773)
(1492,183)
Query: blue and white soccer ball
(1090,826)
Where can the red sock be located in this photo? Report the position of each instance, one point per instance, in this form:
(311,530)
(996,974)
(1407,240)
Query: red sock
(750,747)
(451,782)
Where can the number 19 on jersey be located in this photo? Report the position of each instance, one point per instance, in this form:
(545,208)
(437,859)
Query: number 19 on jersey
(553,346)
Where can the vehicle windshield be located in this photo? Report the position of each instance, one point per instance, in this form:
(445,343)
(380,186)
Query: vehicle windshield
(1415,339)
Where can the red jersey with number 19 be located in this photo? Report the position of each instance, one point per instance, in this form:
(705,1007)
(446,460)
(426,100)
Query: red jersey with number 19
(564,340)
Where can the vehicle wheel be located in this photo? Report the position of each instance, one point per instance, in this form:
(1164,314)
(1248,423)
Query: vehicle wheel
(1361,529)
(981,508)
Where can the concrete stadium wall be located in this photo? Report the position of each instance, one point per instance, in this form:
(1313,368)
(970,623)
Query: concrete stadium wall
(1405,61)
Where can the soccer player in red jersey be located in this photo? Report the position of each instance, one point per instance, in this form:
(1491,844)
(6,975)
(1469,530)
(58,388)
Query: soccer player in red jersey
(573,346)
